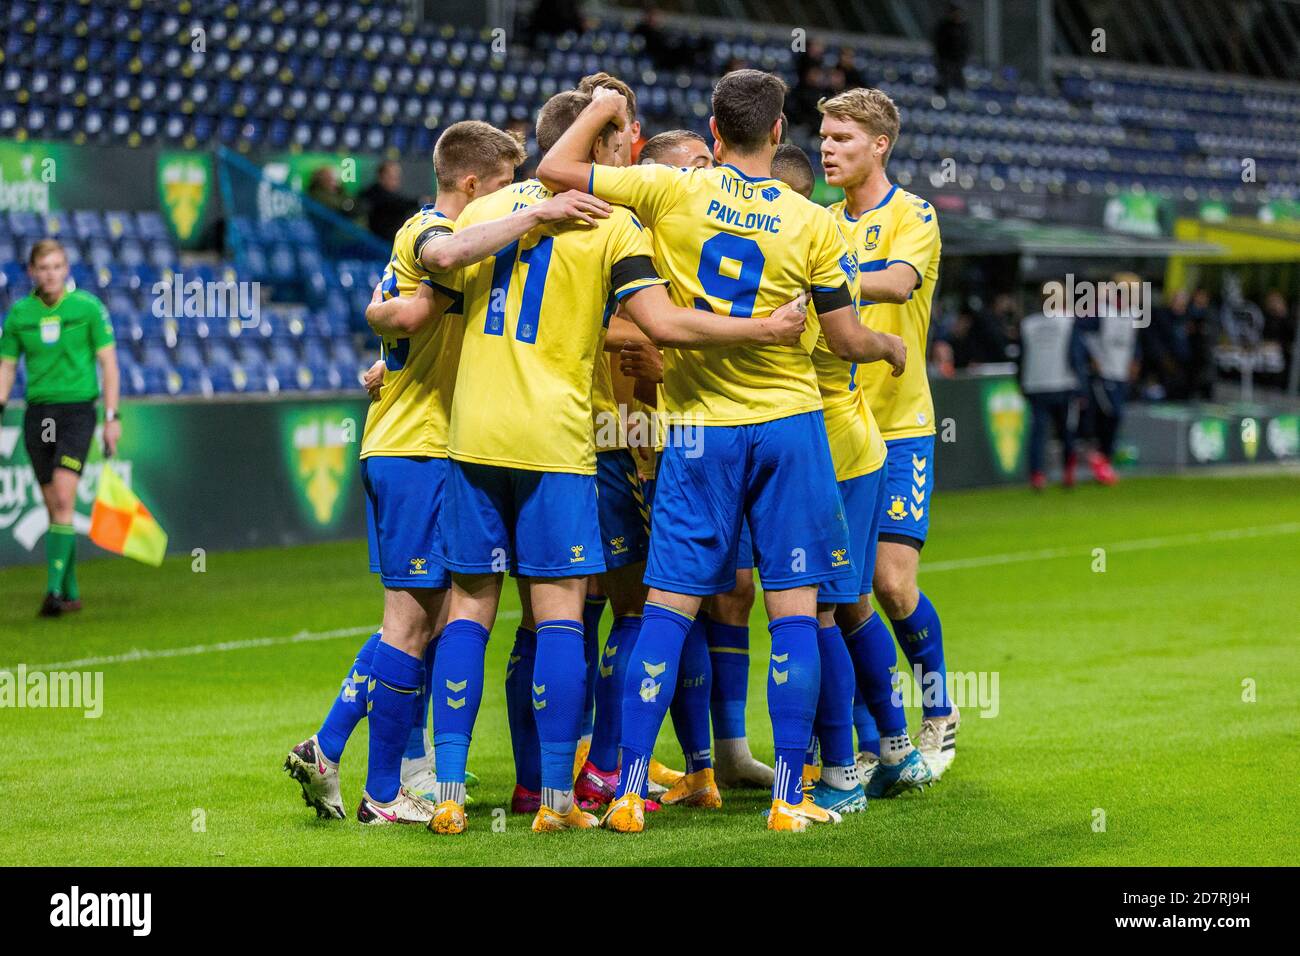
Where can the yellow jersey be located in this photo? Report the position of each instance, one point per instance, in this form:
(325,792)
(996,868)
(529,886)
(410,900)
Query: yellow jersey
(414,408)
(902,228)
(604,405)
(534,321)
(735,245)
(857,447)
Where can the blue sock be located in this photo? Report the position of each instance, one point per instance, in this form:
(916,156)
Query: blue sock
(619,647)
(350,704)
(921,637)
(396,678)
(592,611)
(557,694)
(864,723)
(519,711)
(729,657)
(415,741)
(874,655)
(690,706)
(648,690)
(793,684)
(834,722)
(457,692)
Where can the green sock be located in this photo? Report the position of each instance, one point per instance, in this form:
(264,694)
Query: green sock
(71,592)
(58,549)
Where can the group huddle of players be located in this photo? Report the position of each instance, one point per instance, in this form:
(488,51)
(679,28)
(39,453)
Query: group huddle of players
(778,349)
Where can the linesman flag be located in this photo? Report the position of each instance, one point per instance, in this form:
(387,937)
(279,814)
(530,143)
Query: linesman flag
(121,524)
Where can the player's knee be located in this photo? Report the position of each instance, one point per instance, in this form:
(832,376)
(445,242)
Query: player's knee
(734,606)
(896,591)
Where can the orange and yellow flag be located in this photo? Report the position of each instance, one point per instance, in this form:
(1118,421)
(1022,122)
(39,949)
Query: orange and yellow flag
(121,524)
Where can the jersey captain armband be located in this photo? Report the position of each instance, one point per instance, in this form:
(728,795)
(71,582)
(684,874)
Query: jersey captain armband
(632,274)
(828,300)
(439,229)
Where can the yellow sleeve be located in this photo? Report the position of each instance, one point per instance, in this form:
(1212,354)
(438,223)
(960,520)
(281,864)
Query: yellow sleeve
(915,241)
(649,190)
(832,270)
(630,257)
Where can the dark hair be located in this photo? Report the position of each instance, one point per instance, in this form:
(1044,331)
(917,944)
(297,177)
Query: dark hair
(746,105)
(659,144)
(558,114)
(791,165)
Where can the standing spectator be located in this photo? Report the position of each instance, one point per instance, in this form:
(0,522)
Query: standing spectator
(1111,342)
(323,187)
(386,208)
(1202,334)
(951,41)
(1051,387)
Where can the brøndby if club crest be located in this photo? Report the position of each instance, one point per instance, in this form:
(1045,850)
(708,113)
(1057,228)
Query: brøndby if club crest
(320,459)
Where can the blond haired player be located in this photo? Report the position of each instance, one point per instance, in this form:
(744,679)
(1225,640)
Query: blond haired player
(896,237)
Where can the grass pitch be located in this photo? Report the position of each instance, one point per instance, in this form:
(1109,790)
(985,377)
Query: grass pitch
(1120,692)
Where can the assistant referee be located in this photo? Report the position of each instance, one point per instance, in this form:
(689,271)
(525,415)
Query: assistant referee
(62,334)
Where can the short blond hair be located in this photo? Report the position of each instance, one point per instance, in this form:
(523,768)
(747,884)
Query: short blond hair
(43,247)
(474,147)
(872,109)
(589,83)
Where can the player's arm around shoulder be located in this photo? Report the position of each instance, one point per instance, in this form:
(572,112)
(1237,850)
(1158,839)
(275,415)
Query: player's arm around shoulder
(402,316)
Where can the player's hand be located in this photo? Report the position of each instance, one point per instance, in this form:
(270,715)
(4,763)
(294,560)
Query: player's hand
(373,379)
(613,102)
(574,204)
(786,324)
(642,361)
(377,296)
(896,355)
(112,435)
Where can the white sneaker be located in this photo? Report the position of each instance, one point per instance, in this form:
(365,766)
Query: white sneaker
(318,777)
(419,777)
(867,763)
(937,741)
(407,808)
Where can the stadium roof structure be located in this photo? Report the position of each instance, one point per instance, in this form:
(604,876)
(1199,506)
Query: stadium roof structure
(974,236)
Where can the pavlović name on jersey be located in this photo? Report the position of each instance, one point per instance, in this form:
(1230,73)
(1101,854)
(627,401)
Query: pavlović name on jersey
(757,221)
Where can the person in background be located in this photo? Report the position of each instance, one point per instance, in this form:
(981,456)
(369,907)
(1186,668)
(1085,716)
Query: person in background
(951,40)
(323,187)
(1111,342)
(62,334)
(386,208)
(1051,387)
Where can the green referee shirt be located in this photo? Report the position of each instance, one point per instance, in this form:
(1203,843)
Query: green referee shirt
(60,342)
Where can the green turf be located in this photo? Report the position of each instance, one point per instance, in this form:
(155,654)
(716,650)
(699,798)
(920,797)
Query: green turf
(1119,690)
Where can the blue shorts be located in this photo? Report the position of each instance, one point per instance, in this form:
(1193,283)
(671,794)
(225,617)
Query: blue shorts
(403,500)
(745,549)
(776,474)
(908,488)
(537,524)
(624,513)
(864,501)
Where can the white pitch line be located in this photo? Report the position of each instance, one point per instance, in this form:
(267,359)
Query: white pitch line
(1139,544)
(958,564)
(153,654)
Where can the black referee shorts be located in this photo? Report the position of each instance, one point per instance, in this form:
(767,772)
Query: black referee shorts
(58,435)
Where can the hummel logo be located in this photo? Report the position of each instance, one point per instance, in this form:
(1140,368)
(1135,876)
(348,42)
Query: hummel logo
(654,670)
(539,688)
(456,703)
(919,463)
(457,688)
